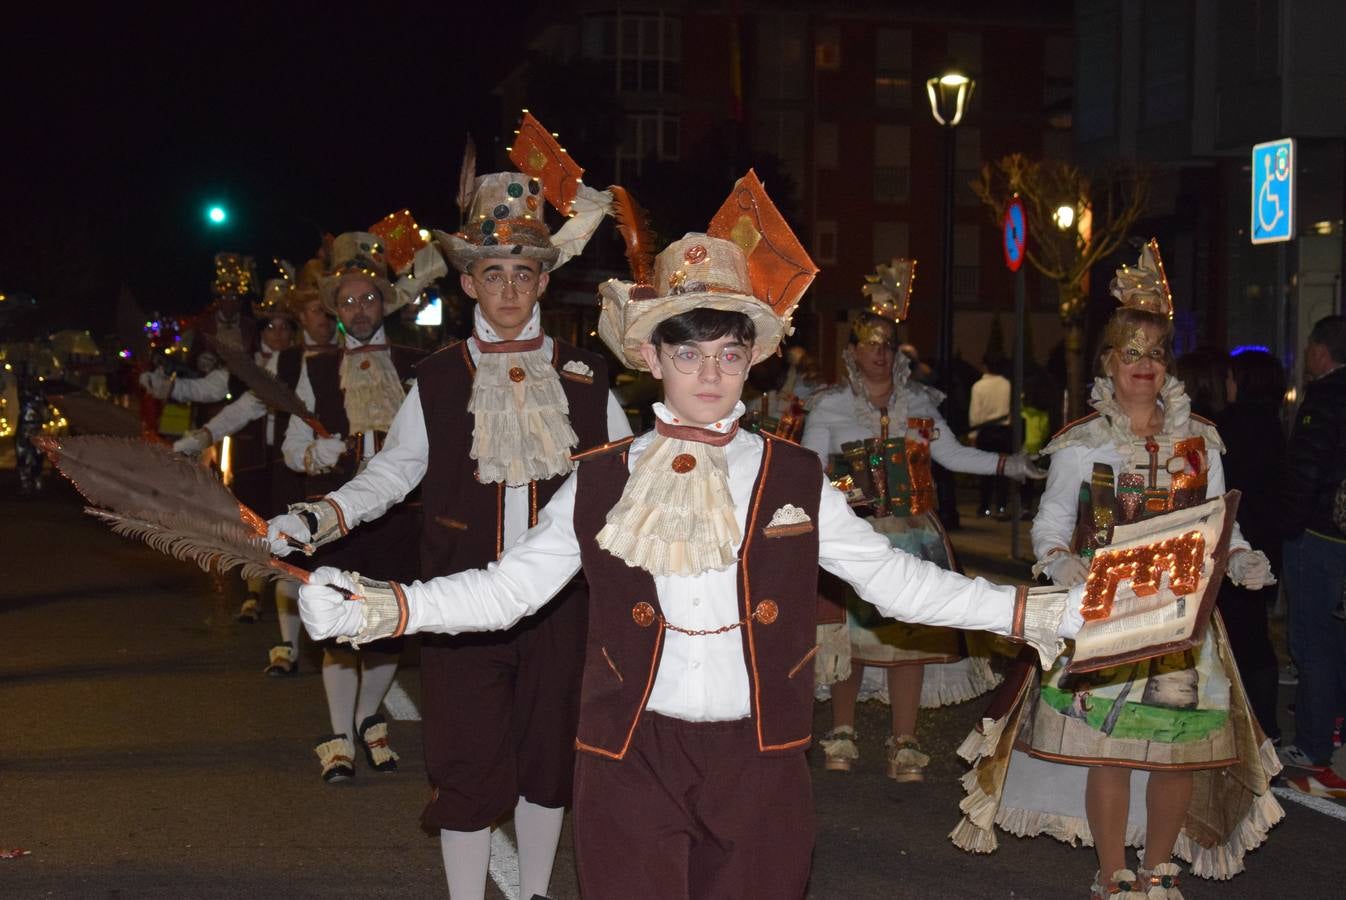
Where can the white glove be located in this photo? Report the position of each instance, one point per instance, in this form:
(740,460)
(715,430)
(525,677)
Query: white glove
(1019,467)
(325,611)
(156,384)
(1064,569)
(286,525)
(1251,569)
(323,454)
(193,442)
(833,660)
(1073,620)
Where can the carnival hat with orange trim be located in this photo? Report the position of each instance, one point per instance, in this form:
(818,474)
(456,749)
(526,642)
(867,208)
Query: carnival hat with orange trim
(1144,286)
(504,220)
(748,261)
(358,253)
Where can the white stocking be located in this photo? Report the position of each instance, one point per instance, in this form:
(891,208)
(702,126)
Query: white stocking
(467,854)
(539,831)
(377,673)
(287,611)
(341,680)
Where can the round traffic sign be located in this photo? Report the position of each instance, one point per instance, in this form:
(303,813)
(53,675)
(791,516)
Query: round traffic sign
(1014,234)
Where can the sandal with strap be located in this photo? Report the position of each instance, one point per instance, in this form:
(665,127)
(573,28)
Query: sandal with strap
(906,762)
(1161,881)
(283,660)
(374,738)
(839,747)
(337,756)
(1124,885)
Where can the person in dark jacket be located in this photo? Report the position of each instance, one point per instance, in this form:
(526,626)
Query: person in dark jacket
(1254,460)
(1315,557)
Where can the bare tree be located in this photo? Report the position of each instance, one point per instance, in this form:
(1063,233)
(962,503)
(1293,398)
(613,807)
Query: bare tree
(1104,207)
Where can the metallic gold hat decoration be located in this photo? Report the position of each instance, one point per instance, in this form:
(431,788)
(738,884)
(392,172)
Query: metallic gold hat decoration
(276,294)
(748,261)
(1144,286)
(889,289)
(233,275)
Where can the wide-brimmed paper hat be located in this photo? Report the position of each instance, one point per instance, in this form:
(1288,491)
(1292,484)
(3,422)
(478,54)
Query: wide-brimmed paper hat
(233,275)
(889,289)
(504,220)
(358,253)
(1144,286)
(748,261)
(276,293)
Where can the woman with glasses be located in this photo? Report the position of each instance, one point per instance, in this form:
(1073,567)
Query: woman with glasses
(869,656)
(1163,754)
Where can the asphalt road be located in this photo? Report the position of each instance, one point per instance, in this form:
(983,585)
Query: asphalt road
(144,754)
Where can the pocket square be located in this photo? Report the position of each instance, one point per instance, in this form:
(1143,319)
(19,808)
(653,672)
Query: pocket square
(578,371)
(788,520)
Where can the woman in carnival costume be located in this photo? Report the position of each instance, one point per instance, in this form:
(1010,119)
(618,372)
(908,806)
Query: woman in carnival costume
(1181,723)
(908,665)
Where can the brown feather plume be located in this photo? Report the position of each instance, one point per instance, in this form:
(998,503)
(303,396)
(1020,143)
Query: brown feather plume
(214,546)
(467,176)
(634,224)
(269,389)
(88,414)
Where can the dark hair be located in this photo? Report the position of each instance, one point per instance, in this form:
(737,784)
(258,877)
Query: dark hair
(1202,372)
(1259,377)
(702,324)
(1330,331)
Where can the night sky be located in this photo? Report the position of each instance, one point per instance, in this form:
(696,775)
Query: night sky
(120,131)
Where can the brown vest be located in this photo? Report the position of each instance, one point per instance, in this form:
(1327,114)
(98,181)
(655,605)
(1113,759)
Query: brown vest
(329,406)
(465,519)
(626,627)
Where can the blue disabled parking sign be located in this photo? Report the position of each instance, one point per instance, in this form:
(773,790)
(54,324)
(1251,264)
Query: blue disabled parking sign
(1273,199)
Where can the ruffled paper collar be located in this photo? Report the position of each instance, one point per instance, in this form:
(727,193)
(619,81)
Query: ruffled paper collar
(723,426)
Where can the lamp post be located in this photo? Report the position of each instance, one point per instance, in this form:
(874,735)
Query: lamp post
(949,95)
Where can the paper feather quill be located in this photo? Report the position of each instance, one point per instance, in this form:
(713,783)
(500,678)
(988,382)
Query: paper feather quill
(633,223)
(467,177)
(88,414)
(269,389)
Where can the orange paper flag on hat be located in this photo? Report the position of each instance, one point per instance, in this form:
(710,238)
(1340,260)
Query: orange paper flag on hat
(401,238)
(778,266)
(537,154)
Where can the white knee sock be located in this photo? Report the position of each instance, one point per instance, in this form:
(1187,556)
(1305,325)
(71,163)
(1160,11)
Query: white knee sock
(341,680)
(539,831)
(377,671)
(467,854)
(287,611)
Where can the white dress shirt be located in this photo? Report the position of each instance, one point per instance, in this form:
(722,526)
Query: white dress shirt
(246,408)
(395,470)
(211,388)
(990,401)
(704,678)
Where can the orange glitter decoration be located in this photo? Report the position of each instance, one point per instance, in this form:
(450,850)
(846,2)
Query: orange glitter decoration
(516,374)
(684,463)
(643,614)
(778,266)
(537,154)
(401,238)
(1180,557)
(766,612)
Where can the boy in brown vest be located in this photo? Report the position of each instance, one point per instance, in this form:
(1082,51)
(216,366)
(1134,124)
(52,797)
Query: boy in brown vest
(701,544)
(487,433)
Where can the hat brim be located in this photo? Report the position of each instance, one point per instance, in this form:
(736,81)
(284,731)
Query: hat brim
(327,287)
(639,318)
(462,254)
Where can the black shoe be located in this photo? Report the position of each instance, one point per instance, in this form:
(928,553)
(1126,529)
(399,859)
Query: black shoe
(374,738)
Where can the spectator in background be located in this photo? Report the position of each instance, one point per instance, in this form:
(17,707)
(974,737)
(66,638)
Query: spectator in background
(1203,372)
(1315,558)
(1254,463)
(989,420)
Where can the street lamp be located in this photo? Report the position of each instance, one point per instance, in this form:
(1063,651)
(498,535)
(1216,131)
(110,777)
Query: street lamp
(949,95)
(1064,216)
(216,215)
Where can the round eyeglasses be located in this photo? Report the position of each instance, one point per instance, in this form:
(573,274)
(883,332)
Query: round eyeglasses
(365,301)
(730,360)
(523,281)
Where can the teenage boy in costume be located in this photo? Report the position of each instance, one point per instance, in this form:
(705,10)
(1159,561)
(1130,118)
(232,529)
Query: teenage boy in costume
(487,433)
(701,544)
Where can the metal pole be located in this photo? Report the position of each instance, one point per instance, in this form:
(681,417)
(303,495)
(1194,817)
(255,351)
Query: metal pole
(945,350)
(1017,406)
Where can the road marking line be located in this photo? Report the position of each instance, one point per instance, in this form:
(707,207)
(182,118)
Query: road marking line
(1317,804)
(399,705)
(504,864)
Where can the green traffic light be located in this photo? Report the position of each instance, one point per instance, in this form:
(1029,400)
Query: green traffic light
(217,215)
